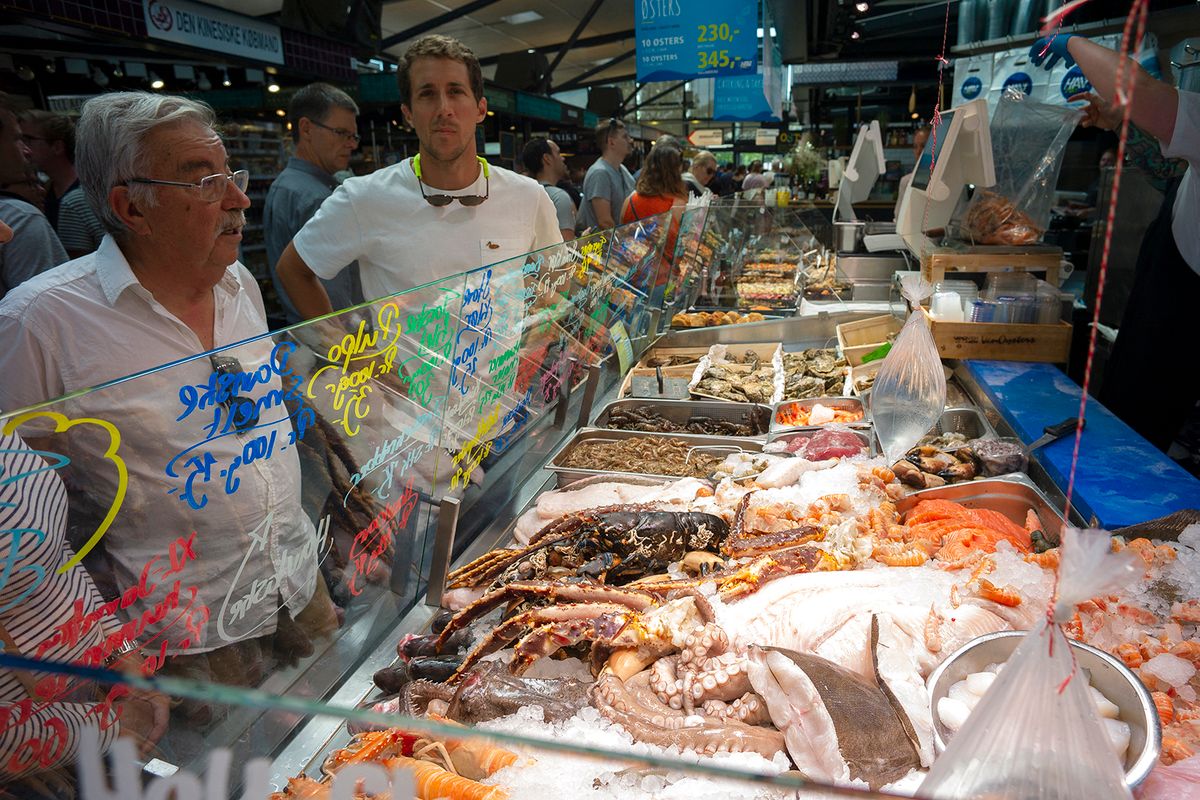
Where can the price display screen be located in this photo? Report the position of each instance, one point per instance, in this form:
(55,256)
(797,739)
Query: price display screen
(684,39)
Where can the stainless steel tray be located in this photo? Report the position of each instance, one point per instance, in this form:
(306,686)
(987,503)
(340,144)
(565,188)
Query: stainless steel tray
(682,411)
(866,435)
(706,444)
(969,422)
(849,403)
(1012,495)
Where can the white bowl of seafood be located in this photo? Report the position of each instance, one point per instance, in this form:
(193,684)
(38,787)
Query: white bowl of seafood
(1123,702)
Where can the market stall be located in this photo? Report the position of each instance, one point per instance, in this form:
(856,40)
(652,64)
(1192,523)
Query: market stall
(502,439)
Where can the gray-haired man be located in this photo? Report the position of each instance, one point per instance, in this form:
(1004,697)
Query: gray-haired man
(164,286)
(324,128)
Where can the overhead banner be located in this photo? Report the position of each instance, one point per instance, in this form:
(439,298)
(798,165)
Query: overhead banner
(736,99)
(683,39)
(209,28)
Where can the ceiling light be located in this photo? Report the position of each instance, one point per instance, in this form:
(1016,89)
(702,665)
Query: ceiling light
(99,78)
(155,81)
(273,88)
(653,122)
(25,73)
(531,51)
(855,35)
(522,17)
(225,78)
(862,7)
(51,67)
(279,112)
(915,115)
(272,71)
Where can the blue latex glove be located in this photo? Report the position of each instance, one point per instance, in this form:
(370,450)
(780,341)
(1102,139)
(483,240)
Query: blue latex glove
(1057,51)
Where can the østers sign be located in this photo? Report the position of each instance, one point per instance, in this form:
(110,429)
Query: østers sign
(684,39)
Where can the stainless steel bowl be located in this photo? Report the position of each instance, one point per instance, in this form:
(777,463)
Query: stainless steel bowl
(1108,674)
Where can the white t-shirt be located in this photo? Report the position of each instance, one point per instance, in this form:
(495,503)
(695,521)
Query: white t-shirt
(400,241)
(1185,144)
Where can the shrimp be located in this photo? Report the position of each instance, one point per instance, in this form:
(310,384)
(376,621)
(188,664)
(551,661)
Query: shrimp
(933,631)
(1004,595)
(1047,560)
(1189,649)
(432,781)
(1131,654)
(1174,749)
(895,554)
(1186,613)
(1166,709)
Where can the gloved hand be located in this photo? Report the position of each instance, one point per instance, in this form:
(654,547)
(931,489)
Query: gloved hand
(1051,49)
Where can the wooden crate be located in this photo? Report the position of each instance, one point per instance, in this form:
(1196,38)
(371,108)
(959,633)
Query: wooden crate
(938,261)
(859,338)
(1001,341)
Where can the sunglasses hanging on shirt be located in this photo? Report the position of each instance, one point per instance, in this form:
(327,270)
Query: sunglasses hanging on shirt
(440,200)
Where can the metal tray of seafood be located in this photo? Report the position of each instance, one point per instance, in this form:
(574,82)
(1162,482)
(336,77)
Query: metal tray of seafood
(865,435)
(847,403)
(708,444)
(1012,495)
(683,411)
(1107,674)
(970,422)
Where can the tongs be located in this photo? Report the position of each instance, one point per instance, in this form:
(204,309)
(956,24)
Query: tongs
(1052,433)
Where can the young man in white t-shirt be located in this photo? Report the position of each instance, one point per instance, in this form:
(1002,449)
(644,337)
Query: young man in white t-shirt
(442,212)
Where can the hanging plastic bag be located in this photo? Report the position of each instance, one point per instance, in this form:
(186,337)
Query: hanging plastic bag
(909,392)
(1028,141)
(1036,734)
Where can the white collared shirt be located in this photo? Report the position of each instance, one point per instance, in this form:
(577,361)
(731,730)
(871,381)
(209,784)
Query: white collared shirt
(89,322)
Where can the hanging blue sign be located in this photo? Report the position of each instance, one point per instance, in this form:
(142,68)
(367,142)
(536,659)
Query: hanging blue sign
(971,88)
(737,99)
(1019,80)
(1073,83)
(685,39)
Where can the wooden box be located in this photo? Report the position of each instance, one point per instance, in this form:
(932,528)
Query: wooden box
(1001,341)
(859,338)
(937,261)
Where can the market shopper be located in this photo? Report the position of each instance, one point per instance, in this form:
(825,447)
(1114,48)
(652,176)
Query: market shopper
(701,175)
(324,127)
(1155,331)
(35,247)
(439,213)
(661,185)
(164,286)
(607,182)
(544,161)
(756,178)
(51,141)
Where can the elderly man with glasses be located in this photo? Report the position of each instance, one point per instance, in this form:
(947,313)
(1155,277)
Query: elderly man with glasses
(443,211)
(324,128)
(165,286)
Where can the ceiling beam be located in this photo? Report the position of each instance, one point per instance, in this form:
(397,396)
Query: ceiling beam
(590,41)
(581,77)
(583,23)
(647,102)
(436,22)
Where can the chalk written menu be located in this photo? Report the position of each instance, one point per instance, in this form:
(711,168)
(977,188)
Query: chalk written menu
(684,39)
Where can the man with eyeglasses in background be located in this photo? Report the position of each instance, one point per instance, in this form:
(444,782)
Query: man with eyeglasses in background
(166,285)
(324,128)
(35,247)
(607,182)
(441,212)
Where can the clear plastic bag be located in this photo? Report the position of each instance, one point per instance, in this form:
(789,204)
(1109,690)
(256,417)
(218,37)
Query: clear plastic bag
(1028,141)
(909,392)
(1036,734)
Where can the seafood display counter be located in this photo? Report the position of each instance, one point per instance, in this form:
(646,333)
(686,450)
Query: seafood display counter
(789,569)
(440,543)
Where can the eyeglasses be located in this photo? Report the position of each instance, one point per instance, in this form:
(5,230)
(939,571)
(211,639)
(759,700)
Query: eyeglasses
(211,189)
(349,136)
(440,200)
(243,411)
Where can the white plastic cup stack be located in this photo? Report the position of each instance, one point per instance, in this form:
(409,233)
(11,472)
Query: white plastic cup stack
(947,307)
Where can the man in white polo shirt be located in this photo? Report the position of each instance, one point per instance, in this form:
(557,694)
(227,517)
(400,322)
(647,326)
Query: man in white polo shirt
(441,212)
